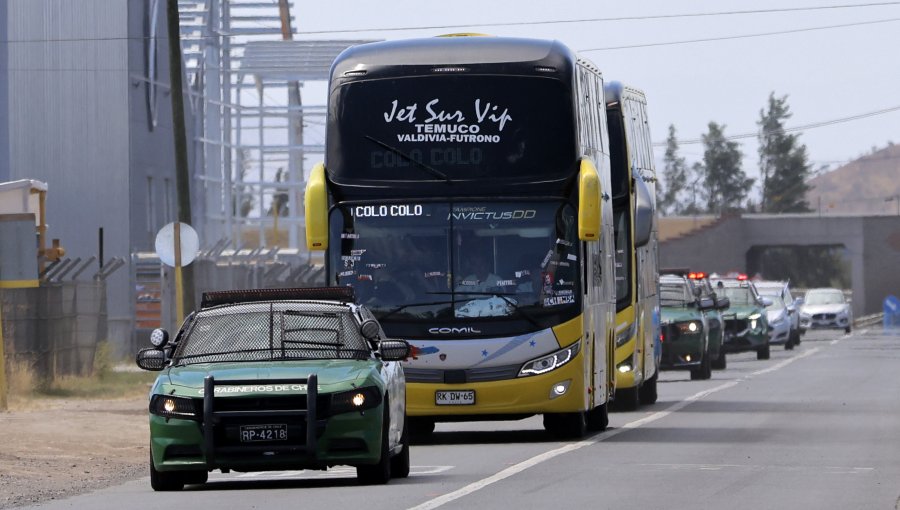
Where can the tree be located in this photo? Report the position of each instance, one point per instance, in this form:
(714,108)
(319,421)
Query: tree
(726,183)
(279,204)
(783,163)
(675,175)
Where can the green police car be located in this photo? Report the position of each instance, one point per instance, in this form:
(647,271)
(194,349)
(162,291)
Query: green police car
(685,329)
(276,379)
(746,326)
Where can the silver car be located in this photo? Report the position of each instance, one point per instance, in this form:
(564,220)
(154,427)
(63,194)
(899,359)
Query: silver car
(825,309)
(788,307)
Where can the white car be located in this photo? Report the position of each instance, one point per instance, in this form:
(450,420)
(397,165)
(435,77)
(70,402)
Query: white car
(779,322)
(782,290)
(825,309)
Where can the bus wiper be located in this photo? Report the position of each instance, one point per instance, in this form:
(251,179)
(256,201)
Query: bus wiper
(407,305)
(502,295)
(432,171)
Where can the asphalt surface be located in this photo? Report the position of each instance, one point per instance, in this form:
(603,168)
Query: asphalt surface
(812,428)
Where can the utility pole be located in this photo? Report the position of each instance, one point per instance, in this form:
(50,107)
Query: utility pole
(182,174)
(295,131)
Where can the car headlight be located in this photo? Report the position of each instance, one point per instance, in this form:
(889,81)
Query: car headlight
(358,399)
(690,328)
(626,334)
(777,320)
(184,408)
(550,362)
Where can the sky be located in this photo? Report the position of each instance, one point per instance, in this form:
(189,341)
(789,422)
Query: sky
(851,69)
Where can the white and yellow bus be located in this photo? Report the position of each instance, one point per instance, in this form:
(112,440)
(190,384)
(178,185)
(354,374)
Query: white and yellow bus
(466,198)
(637,264)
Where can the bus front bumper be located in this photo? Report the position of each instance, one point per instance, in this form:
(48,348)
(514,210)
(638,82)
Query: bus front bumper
(559,391)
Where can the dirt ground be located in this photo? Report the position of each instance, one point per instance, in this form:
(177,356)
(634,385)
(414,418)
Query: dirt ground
(59,448)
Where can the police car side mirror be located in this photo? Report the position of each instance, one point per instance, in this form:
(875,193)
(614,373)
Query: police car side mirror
(151,359)
(707,304)
(723,303)
(393,350)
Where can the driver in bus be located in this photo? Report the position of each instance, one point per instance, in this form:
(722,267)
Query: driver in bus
(481,279)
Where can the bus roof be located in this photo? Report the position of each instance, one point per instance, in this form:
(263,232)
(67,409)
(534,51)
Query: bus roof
(454,51)
(615,92)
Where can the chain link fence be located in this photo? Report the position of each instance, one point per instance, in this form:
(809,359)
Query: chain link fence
(54,329)
(218,268)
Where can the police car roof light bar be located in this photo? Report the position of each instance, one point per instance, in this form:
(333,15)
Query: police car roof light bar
(225,297)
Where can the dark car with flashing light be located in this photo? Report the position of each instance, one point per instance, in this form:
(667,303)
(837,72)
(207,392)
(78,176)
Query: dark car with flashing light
(276,379)
(746,325)
(714,318)
(684,327)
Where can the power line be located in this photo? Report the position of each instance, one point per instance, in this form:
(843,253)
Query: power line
(793,128)
(743,36)
(609,19)
(501,24)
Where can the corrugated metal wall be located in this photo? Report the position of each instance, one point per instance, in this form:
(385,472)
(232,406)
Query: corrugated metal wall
(68,119)
(4,85)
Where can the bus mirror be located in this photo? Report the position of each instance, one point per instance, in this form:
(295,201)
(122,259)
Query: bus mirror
(588,202)
(316,199)
(643,213)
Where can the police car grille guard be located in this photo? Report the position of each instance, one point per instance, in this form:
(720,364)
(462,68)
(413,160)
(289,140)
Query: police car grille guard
(211,418)
(272,332)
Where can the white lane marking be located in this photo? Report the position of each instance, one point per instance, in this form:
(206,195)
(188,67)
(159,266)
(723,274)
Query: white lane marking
(838,339)
(571,447)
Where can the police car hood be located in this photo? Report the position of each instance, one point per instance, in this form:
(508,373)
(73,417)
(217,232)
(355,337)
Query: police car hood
(333,375)
(830,308)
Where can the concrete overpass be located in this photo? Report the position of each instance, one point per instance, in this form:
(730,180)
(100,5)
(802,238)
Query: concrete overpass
(871,246)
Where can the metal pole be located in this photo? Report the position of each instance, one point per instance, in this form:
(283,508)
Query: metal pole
(182,172)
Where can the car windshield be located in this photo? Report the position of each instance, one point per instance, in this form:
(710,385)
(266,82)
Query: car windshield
(272,331)
(777,302)
(825,297)
(674,294)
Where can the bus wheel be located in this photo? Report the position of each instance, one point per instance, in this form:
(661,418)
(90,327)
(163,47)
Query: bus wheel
(566,425)
(627,399)
(648,390)
(598,418)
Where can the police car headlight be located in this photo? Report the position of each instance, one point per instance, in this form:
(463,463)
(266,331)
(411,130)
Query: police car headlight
(183,408)
(550,362)
(358,399)
(690,328)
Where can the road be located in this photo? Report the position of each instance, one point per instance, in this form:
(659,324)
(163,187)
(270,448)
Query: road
(813,428)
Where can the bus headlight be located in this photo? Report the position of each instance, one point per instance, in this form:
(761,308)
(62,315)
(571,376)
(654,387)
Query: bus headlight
(550,362)
(626,334)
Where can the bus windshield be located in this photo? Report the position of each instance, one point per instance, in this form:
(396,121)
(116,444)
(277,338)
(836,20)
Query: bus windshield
(459,262)
(452,127)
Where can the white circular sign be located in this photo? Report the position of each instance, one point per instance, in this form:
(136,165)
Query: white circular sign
(165,244)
